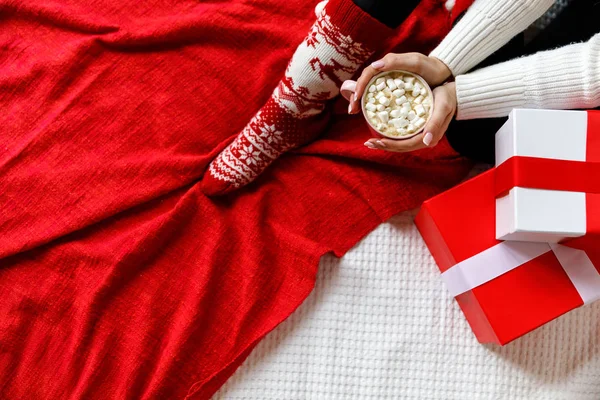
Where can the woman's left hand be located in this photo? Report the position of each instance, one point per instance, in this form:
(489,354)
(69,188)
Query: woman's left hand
(444,108)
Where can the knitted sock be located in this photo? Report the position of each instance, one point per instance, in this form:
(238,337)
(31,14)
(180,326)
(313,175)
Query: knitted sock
(340,41)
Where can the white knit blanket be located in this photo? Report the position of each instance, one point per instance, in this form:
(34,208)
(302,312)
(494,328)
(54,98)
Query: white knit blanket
(381,325)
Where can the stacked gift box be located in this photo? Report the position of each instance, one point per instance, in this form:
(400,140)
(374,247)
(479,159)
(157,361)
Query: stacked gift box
(518,245)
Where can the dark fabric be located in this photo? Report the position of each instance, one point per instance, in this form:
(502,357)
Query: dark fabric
(388,12)
(577,23)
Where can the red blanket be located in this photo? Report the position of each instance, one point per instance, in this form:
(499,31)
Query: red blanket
(118,278)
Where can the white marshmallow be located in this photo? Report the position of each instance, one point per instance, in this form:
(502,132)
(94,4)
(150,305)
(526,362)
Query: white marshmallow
(370,96)
(408,86)
(399,83)
(411,115)
(423,92)
(420,110)
(418,100)
(372,89)
(387,92)
(381,86)
(402,131)
(391,84)
(406,105)
(404,112)
(401,100)
(403,123)
(371,100)
(398,92)
(384,100)
(371,114)
(395,113)
(379,80)
(420,122)
(379,126)
(409,79)
(379,94)
(388,109)
(383,116)
(416,92)
(395,121)
(410,128)
(380,107)
(370,107)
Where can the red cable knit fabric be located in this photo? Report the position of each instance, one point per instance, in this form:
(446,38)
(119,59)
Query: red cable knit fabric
(119,279)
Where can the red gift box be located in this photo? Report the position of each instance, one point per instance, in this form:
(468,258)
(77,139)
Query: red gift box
(505,289)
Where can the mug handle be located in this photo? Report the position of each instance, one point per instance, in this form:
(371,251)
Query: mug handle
(347,89)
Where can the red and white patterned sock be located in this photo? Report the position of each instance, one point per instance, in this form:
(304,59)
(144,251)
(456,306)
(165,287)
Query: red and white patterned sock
(340,41)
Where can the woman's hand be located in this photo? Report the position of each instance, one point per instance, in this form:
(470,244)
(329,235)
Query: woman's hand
(431,69)
(444,108)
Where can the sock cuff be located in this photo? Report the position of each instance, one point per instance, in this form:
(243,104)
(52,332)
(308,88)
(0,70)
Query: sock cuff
(352,21)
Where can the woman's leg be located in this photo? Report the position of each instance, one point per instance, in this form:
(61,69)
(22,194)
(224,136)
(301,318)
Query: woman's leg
(341,40)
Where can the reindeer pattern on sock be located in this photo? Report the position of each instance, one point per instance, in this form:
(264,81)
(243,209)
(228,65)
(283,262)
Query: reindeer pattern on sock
(304,94)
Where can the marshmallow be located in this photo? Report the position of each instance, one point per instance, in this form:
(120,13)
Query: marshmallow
(408,86)
(419,110)
(388,109)
(381,86)
(371,114)
(379,94)
(404,112)
(411,115)
(420,122)
(416,92)
(409,79)
(370,107)
(418,100)
(395,113)
(403,123)
(371,100)
(370,96)
(384,100)
(406,105)
(423,92)
(379,80)
(395,121)
(391,84)
(398,92)
(410,128)
(380,107)
(379,126)
(383,116)
(399,83)
(372,89)
(401,100)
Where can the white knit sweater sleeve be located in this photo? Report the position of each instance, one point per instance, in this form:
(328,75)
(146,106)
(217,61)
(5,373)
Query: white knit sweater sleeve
(563,78)
(486,26)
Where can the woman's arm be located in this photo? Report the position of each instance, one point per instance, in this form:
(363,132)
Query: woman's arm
(563,78)
(485,27)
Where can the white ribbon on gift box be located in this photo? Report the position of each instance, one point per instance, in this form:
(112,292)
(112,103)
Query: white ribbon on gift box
(506,256)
